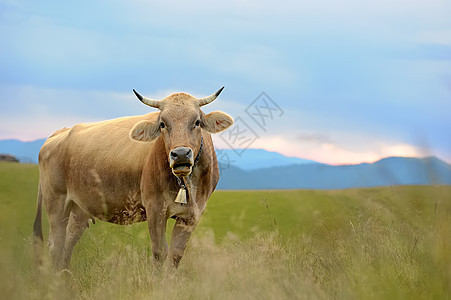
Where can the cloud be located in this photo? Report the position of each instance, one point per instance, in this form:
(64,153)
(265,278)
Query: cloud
(33,112)
(322,150)
(438,37)
(30,129)
(302,9)
(339,70)
(314,138)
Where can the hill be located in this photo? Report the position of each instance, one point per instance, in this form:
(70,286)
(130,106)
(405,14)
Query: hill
(248,159)
(385,172)
(253,159)
(261,169)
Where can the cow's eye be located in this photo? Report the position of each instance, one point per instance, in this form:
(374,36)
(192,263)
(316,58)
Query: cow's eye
(162,125)
(197,123)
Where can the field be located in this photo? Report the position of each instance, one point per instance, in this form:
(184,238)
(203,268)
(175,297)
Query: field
(377,243)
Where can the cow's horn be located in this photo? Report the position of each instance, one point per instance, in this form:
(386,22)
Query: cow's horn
(147,101)
(210,98)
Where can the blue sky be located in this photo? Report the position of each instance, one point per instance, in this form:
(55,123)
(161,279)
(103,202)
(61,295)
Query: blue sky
(355,80)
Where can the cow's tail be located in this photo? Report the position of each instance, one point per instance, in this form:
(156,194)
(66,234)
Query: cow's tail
(38,237)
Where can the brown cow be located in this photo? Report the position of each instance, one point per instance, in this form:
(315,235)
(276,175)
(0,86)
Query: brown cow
(128,170)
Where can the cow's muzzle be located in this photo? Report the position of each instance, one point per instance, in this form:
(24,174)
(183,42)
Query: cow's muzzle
(181,160)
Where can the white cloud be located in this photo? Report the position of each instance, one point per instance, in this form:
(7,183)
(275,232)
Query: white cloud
(31,112)
(33,127)
(439,37)
(328,56)
(325,151)
(252,8)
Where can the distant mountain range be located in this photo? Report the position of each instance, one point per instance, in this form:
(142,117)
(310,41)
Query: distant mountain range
(246,159)
(253,159)
(387,171)
(261,169)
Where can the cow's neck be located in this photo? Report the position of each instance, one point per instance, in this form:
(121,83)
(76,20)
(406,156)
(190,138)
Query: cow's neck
(183,182)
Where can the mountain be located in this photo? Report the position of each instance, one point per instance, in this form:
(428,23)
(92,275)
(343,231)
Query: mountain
(246,159)
(261,169)
(388,171)
(253,159)
(26,152)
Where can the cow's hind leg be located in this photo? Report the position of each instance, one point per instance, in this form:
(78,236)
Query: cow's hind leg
(58,219)
(38,237)
(78,222)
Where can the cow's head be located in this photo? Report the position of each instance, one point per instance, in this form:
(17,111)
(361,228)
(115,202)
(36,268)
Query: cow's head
(180,123)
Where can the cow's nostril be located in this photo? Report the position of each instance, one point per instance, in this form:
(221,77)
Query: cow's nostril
(181,153)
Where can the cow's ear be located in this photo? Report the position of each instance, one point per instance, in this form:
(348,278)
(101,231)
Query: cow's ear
(216,121)
(145,131)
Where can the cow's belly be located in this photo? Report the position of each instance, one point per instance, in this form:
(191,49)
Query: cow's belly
(122,208)
(115,197)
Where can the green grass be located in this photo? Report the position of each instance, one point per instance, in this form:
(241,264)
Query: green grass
(376,243)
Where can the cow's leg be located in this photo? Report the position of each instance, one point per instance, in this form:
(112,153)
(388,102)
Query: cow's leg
(180,235)
(78,222)
(58,219)
(156,220)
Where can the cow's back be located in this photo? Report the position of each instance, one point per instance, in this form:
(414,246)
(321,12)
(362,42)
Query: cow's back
(97,165)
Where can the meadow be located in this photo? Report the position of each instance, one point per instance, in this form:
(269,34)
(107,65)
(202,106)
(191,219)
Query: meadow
(374,243)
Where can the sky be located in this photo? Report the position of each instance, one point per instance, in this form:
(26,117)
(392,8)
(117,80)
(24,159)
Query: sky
(339,82)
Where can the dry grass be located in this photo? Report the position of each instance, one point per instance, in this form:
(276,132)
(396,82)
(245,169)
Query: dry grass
(383,243)
(364,260)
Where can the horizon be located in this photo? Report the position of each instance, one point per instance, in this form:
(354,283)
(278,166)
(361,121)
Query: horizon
(297,157)
(338,83)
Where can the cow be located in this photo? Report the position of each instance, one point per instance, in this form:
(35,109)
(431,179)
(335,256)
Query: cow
(150,168)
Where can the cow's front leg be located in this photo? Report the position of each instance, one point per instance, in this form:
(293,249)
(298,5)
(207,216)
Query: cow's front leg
(156,221)
(180,236)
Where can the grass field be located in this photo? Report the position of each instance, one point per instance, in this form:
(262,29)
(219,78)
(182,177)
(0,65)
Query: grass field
(377,243)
